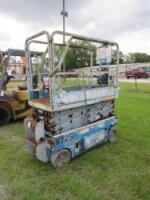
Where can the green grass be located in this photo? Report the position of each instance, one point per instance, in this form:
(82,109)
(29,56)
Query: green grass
(115,171)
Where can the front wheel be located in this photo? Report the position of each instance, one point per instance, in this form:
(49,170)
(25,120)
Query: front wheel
(112,135)
(4,115)
(61,158)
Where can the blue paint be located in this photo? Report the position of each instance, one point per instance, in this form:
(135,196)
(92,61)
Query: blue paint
(75,140)
(36,94)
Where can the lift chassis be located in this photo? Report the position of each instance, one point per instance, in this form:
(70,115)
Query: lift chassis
(69,120)
(64,147)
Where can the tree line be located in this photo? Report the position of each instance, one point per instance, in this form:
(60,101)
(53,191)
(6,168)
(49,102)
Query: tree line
(81,57)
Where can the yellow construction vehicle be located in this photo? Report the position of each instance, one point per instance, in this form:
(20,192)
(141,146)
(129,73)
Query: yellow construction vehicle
(14,103)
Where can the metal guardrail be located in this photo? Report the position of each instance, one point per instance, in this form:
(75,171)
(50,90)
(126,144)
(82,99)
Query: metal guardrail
(48,61)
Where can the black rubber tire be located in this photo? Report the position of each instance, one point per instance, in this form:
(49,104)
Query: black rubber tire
(4,115)
(146,76)
(112,135)
(61,158)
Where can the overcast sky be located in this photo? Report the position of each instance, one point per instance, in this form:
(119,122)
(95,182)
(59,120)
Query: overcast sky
(125,21)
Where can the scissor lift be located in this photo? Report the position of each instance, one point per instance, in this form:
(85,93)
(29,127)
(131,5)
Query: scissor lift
(68,118)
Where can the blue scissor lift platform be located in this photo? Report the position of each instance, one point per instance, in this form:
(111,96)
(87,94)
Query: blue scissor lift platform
(69,120)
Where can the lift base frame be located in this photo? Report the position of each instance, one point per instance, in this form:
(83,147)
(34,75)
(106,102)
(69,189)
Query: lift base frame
(75,142)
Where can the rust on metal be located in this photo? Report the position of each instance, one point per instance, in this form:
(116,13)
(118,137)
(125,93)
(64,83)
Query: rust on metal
(44,101)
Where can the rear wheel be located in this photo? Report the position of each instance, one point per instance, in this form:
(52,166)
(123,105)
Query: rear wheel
(61,158)
(4,115)
(146,76)
(112,135)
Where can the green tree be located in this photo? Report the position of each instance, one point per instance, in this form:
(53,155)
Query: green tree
(141,57)
(70,59)
(114,57)
(76,57)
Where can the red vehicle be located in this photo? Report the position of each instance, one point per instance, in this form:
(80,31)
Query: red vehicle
(136,73)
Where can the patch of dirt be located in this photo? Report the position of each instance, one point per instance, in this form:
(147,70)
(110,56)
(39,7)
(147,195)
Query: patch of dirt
(3,192)
(15,139)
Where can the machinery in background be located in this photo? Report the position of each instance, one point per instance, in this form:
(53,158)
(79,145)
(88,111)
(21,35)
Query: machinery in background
(69,117)
(13,104)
